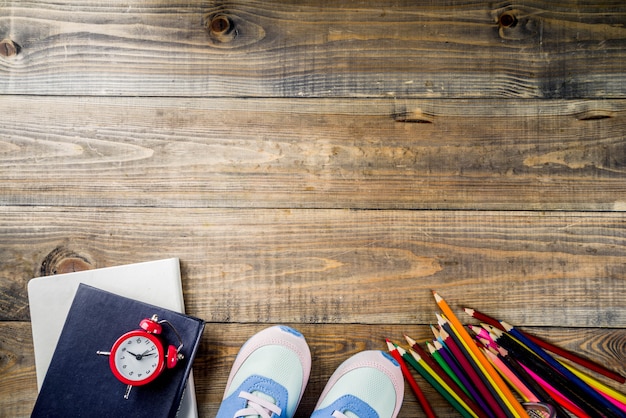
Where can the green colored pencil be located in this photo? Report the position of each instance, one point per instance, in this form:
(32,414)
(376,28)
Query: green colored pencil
(434,383)
(446,367)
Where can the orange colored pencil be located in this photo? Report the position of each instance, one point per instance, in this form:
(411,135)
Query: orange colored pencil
(483,363)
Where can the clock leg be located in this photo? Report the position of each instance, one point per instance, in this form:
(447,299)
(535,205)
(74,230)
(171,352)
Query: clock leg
(128,388)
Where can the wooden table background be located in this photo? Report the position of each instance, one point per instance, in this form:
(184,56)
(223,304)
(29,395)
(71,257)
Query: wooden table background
(322,164)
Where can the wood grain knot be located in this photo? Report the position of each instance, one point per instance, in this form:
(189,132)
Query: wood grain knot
(8,48)
(221,28)
(518,25)
(63,260)
(507,20)
(229,31)
(220,25)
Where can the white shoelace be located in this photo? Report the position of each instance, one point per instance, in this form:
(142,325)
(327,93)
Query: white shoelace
(338,414)
(257,406)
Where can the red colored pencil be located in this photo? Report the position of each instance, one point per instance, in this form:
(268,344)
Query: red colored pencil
(428,410)
(552,348)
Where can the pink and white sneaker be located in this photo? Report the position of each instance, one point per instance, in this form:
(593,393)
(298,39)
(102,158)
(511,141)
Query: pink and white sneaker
(269,375)
(367,385)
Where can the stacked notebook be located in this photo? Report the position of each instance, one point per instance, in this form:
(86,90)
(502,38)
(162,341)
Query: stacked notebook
(76,314)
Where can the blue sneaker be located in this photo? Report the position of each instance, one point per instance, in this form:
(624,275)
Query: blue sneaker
(269,375)
(367,385)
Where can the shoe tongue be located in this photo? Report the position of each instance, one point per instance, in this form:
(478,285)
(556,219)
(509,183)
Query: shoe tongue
(264,396)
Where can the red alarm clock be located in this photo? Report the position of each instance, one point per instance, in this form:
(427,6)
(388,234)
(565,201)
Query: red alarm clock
(138,357)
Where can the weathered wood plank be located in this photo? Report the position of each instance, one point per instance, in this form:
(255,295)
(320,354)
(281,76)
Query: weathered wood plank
(318,153)
(18,382)
(451,49)
(330,345)
(339,266)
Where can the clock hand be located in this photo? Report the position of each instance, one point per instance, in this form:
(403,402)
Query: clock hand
(137,356)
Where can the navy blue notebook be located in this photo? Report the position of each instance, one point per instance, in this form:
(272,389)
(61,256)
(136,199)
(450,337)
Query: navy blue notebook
(80,383)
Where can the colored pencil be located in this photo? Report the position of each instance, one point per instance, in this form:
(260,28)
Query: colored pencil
(561,383)
(543,395)
(445,366)
(450,340)
(494,378)
(616,398)
(559,397)
(423,402)
(511,377)
(591,365)
(601,400)
(482,333)
(422,368)
(451,385)
(462,376)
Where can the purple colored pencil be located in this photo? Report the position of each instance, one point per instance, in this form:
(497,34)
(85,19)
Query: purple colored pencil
(445,354)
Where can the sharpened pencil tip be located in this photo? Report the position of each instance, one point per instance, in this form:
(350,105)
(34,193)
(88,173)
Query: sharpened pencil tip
(390,345)
(437,297)
(469,311)
(506,326)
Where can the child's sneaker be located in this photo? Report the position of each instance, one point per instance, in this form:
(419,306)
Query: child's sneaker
(367,385)
(269,375)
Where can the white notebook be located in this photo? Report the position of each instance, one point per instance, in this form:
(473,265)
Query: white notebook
(50,298)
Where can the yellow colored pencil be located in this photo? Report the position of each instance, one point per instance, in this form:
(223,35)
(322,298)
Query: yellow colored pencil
(597,385)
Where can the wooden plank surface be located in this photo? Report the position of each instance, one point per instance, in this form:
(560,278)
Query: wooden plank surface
(339,266)
(448,49)
(330,345)
(317,153)
(321,164)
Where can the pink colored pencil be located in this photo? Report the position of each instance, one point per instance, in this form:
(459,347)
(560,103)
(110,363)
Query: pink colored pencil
(517,384)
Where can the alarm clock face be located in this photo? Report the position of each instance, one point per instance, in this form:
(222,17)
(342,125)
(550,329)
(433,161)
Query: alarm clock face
(137,358)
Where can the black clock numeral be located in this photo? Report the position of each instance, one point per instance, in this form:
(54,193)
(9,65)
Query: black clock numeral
(131,373)
(139,374)
(147,371)
(138,340)
(124,366)
(154,365)
(122,357)
(147,342)
(153,347)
